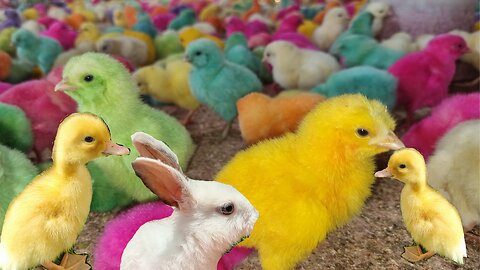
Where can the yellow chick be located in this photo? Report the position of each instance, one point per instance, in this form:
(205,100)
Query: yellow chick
(212,10)
(119,18)
(30,14)
(429,218)
(88,32)
(189,34)
(168,83)
(307,28)
(308,183)
(148,42)
(47,216)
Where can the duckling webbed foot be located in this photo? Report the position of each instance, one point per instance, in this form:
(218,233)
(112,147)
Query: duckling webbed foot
(69,262)
(415,254)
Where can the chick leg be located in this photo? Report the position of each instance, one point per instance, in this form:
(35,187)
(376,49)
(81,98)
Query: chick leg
(226,130)
(69,262)
(415,254)
(188,118)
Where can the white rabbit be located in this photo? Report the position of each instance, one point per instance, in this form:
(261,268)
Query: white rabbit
(208,219)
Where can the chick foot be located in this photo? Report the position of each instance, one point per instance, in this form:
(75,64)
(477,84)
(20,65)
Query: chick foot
(188,118)
(415,254)
(69,262)
(226,130)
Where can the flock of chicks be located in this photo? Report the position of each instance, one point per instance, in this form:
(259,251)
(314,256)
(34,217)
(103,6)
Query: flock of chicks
(324,130)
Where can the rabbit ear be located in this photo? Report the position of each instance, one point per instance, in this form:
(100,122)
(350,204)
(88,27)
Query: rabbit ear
(149,147)
(168,183)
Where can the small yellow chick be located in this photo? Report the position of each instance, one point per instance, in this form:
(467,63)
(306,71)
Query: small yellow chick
(30,14)
(88,32)
(119,18)
(307,28)
(189,34)
(429,218)
(212,10)
(168,83)
(47,216)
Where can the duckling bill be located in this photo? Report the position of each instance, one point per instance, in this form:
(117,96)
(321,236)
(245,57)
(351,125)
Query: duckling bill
(46,218)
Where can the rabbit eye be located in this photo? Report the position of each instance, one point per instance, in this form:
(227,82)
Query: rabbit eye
(227,209)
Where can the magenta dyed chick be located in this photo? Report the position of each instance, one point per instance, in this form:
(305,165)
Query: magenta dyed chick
(259,40)
(425,134)
(287,11)
(4,87)
(63,33)
(161,21)
(119,231)
(44,107)
(299,40)
(255,27)
(234,24)
(290,23)
(424,76)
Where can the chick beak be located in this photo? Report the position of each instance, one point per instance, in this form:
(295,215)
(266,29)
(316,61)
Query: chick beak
(383,173)
(63,85)
(116,149)
(391,141)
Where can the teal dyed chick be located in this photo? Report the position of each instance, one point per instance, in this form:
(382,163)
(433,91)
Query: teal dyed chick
(145,25)
(101,85)
(237,51)
(216,82)
(15,128)
(168,43)
(37,50)
(185,18)
(362,24)
(16,171)
(372,82)
(359,50)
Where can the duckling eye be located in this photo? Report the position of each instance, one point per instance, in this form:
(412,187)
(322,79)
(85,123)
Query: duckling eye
(89,139)
(88,78)
(362,132)
(402,166)
(227,209)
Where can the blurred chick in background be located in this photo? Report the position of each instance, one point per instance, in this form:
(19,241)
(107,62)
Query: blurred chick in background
(261,117)
(60,198)
(190,33)
(309,183)
(217,82)
(88,33)
(168,83)
(333,25)
(429,218)
(296,68)
(380,11)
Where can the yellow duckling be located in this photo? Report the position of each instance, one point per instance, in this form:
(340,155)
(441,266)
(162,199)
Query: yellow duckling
(47,216)
(190,33)
(88,32)
(429,218)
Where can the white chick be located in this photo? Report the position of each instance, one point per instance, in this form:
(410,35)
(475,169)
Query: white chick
(134,50)
(454,170)
(205,28)
(473,42)
(57,13)
(379,10)
(400,41)
(422,41)
(296,68)
(335,22)
(33,26)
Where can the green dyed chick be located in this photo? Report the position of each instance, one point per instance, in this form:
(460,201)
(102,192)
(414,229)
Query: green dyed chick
(168,43)
(15,128)
(16,171)
(101,85)
(5,38)
(237,51)
(185,18)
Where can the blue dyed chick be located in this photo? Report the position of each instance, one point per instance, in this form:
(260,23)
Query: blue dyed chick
(216,82)
(237,51)
(372,82)
(145,25)
(185,18)
(36,50)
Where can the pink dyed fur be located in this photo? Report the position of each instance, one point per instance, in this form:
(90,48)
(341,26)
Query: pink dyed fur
(424,76)
(61,32)
(424,135)
(290,23)
(234,24)
(286,11)
(119,231)
(255,27)
(161,21)
(44,107)
(299,40)
(47,21)
(4,87)
(260,39)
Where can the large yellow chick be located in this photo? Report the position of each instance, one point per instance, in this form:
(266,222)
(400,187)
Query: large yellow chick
(429,218)
(308,183)
(88,32)
(168,83)
(190,33)
(47,216)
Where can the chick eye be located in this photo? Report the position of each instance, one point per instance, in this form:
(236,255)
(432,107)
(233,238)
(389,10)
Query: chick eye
(198,53)
(268,54)
(402,166)
(89,139)
(362,132)
(227,208)
(88,78)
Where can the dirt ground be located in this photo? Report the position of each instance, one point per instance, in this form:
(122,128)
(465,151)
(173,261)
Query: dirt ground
(373,240)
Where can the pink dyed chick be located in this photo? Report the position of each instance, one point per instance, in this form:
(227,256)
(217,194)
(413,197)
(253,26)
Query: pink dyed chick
(4,87)
(234,24)
(287,11)
(299,40)
(425,134)
(260,39)
(255,27)
(47,21)
(44,107)
(290,23)
(424,76)
(119,231)
(61,32)
(161,21)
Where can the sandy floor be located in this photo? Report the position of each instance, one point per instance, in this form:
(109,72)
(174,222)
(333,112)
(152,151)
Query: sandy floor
(373,240)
